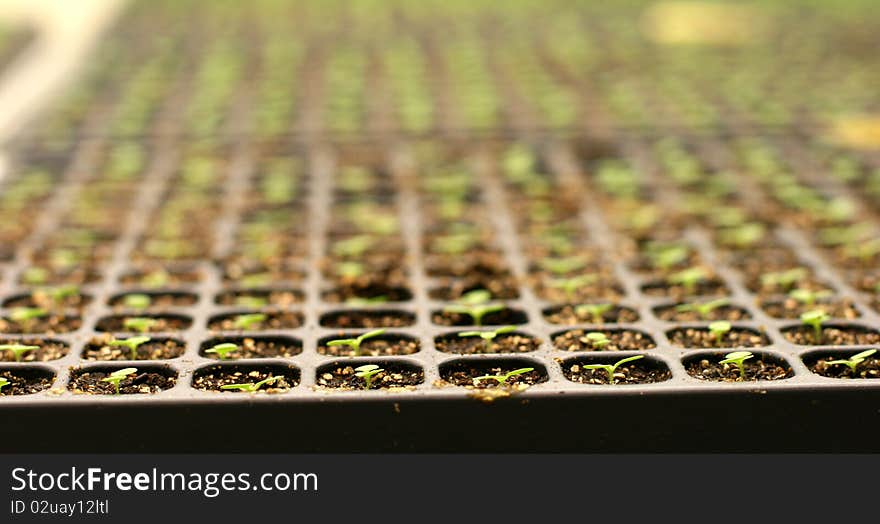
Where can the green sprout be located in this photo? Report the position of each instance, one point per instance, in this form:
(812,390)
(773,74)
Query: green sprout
(594,311)
(571,285)
(454,244)
(854,361)
(251,301)
(815,318)
(355,343)
(27,315)
(3,383)
(57,294)
(157,278)
(743,235)
(688,278)
(18,349)
(366,301)
(476,305)
(704,309)
(808,297)
(139,324)
(501,379)
(611,369)
(353,247)
(488,336)
(596,339)
(248,320)
(738,358)
(251,388)
(118,376)
(784,279)
(349,269)
(132,343)
(222,350)
(137,301)
(665,257)
(563,265)
(367,372)
(719,328)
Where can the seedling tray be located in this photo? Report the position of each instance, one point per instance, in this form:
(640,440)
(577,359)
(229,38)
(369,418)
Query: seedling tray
(120,192)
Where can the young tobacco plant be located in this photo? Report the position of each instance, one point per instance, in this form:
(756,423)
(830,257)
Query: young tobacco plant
(56,295)
(248,321)
(3,383)
(594,311)
(118,376)
(815,319)
(355,343)
(570,286)
(853,361)
(703,309)
(597,340)
(488,336)
(808,297)
(738,358)
(367,372)
(27,316)
(784,279)
(611,369)
(18,350)
(475,304)
(689,278)
(138,301)
(139,324)
(252,387)
(563,265)
(502,379)
(222,350)
(132,343)
(719,328)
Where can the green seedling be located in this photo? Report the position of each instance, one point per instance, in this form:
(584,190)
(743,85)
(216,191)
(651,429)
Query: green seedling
(719,328)
(18,349)
(251,301)
(704,309)
(367,301)
(594,311)
(3,383)
(854,361)
(596,339)
(743,235)
(476,305)
(864,251)
(815,318)
(488,336)
(784,279)
(454,244)
(666,257)
(57,295)
(118,376)
(564,265)
(355,343)
(350,269)
(367,372)
(502,379)
(256,279)
(689,278)
(137,301)
(157,278)
(139,324)
(251,388)
(570,286)
(248,321)
(222,350)
(808,297)
(27,316)
(35,276)
(738,358)
(353,247)
(611,369)
(132,343)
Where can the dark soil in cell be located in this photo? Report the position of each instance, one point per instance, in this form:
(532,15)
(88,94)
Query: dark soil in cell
(154,278)
(380,346)
(869,368)
(602,290)
(712,287)
(368,294)
(505,288)
(867,281)
(99,348)
(51,324)
(43,299)
(259,297)
(832,336)
(478,264)
(365,318)
(756,285)
(507,343)
(760,261)
(144,381)
(636,372)
(757,368)
(255,347)
(506,316)
(273,320)
(570,315)
(695,337)
(395,376)
(260,275)
(26,381)
(673,313)
(157,300)
(792,309)
(215,377)
(162,323)
(463,372)
(618,340)
(38,276)
(48,350)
